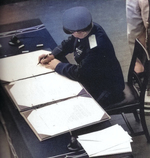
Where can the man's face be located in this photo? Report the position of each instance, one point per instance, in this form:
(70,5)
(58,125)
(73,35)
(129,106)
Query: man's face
(79,34)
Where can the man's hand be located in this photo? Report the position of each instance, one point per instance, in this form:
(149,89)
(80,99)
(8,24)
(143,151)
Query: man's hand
(45,58)
(52,64)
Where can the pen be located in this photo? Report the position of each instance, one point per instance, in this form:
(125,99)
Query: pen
(42,58)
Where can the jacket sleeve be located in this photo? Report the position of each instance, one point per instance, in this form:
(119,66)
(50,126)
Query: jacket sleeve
(86,70)
(68,70)
(65,48)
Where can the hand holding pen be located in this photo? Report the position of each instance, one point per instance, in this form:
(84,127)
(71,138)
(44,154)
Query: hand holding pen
(45,58)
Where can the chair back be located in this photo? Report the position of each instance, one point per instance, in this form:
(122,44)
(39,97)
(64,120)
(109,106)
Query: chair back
(139,81)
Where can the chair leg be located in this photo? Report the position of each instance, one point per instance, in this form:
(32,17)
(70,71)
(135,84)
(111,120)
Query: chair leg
(128,124)
(144,125)
(136,116)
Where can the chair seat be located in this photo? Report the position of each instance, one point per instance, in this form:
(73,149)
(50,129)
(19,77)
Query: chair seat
(130,98)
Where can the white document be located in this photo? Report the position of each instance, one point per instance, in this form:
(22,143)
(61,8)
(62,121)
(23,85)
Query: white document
(112,140)
(22,66)
(121,148)
(66,115)
(42,89)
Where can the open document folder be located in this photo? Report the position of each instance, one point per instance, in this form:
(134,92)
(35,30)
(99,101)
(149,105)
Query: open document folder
(22,66)
(112,140)
(41,90)
(64,116)
(52,104)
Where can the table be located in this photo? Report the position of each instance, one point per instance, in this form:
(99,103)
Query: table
(24,140)
(30,33)
(22,137)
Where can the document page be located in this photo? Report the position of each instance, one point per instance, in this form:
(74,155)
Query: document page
(22,66)
(42,89)
(66,115)
(112,140)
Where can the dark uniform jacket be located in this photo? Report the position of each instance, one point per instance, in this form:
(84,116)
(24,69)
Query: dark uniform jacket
(97,69)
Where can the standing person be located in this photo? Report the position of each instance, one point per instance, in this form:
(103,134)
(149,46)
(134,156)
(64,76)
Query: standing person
(137,13)
(97,69)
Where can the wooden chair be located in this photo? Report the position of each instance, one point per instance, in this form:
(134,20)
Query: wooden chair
(134,91)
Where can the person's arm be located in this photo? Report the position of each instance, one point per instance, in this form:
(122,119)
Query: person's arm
(65,69)
(85,70)
(63,49)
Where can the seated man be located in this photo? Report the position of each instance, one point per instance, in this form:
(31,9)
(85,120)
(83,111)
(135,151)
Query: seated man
(97,69)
